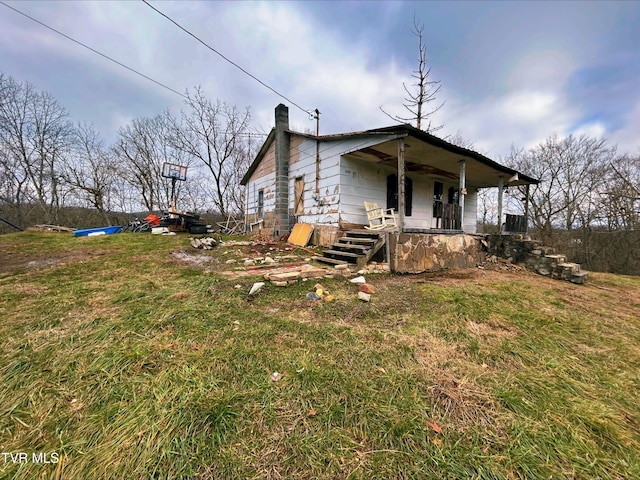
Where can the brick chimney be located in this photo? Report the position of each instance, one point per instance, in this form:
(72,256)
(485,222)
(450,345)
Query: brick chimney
(281,224)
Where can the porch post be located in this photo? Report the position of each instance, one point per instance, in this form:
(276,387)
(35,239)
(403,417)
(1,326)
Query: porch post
(462,191)
(526,210)
(401,202)
(500,191)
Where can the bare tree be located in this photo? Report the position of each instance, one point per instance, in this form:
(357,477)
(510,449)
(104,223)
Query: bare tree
(34,135)
(571,170)
(216,134)
(144,146)
(420,97)
(621,195)
(91,169)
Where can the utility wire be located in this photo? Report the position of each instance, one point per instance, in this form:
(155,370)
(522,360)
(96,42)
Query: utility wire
(308,112)
(95,51)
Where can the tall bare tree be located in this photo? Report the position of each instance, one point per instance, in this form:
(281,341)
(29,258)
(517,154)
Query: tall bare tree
(144,146)
(572,172)
(216,135)
(91,169)
(35,135)
(420,100)
(621,195)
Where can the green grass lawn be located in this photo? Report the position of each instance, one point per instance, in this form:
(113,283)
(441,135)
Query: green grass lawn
(126,362)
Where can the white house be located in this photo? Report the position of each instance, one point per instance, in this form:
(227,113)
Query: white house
(324,180)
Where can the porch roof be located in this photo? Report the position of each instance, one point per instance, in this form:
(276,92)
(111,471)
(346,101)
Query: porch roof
(428,154)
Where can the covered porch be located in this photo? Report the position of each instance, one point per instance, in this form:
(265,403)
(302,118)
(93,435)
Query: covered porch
(433,184)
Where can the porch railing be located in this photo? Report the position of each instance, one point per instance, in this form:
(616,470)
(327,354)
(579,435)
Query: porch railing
(448,215)
(515,223)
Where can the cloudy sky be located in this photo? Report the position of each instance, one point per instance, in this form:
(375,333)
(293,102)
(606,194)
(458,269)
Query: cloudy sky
(511,73)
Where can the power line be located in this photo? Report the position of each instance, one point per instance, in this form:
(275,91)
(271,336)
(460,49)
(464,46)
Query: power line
(308,112)
(95,51)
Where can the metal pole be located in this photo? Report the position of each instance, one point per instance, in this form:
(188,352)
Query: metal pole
(173,192)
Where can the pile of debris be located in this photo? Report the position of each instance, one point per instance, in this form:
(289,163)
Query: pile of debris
(500,264)
(206,243)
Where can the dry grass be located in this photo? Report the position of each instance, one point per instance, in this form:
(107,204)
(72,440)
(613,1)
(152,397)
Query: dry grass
(132,362)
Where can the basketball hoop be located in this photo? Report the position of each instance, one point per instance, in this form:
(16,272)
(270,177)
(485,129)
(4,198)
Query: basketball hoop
(175,173)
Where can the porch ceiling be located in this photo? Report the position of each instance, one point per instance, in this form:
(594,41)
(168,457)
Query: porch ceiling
(424,158)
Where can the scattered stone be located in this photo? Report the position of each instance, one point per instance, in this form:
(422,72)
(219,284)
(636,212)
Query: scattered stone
(328,298)
(276,376)
(359,279)
(238,286)
(367,288)
(361,272)
(256,287)
(365,297)
(269,260)
(230,261)
(313,296)
(279,283)
(342,266)
(249,261)
(286,276)
(206,243)
(312,272)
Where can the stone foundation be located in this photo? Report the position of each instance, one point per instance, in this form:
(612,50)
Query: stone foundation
(417,252)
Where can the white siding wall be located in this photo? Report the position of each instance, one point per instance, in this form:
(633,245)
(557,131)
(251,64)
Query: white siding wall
(327,206)
(366,181)
(268,185)
(361,181)
(323,207)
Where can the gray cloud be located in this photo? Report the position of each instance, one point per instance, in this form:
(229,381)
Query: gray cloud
(512,72)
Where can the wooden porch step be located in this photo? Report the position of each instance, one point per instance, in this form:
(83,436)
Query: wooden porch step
(332,261)
(357,247)
(349,247)
(364,234)
(339,254)
(360,241)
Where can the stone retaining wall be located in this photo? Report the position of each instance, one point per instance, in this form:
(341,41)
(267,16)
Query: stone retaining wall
(418,252)
(518,248)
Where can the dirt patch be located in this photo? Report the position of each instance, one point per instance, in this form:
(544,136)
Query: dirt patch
(12,260)
(194,259)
